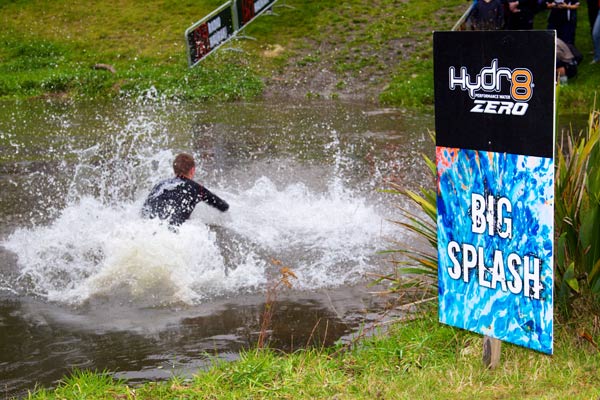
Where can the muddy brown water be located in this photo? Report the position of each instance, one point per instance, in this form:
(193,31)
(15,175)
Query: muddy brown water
(85,283)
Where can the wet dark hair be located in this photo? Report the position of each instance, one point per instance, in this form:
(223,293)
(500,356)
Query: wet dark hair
(183,164)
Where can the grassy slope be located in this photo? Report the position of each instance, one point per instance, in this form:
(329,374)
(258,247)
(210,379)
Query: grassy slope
(375,51)
(50,48)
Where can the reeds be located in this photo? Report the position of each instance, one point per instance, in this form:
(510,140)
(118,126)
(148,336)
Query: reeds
(284,279)
(417,266)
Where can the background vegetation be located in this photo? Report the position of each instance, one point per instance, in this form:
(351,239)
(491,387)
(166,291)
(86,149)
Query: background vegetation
(577,221)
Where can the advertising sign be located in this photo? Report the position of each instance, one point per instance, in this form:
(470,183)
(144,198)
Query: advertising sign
(247,10)
(209,33)
(494,117)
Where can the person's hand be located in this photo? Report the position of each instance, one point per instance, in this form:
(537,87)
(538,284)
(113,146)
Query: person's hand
(513,6)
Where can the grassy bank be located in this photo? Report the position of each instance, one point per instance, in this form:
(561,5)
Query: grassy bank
(51,48)
(321,48)
(378,51)
(414,360)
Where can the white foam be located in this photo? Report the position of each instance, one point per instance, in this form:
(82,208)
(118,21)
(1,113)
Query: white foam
(97,250)
(98,247)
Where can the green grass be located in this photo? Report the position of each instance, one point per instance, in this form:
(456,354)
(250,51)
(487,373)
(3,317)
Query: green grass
(412,360)
(413,88)
(50,48)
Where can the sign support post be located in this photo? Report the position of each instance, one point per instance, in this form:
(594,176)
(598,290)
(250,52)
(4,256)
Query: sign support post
(491,352)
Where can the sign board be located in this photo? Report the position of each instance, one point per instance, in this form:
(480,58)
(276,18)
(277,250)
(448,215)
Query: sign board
(247,10)
(209,33)
(494,117)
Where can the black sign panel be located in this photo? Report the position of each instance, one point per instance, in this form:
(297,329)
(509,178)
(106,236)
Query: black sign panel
(247,10)
(210,33)
(494,91)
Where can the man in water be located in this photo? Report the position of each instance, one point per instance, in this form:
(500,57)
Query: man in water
(174,199)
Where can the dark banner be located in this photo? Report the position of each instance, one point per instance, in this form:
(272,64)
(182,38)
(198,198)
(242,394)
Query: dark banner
(208,34)
(247,10)
(487,95)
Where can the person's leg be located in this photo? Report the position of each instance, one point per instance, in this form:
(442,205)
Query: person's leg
(571,28)
(592,6)
(596,38)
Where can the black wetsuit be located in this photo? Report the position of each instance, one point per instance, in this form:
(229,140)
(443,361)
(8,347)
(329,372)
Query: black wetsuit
(174,200)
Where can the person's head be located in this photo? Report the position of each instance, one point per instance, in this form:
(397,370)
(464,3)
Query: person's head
(184,165)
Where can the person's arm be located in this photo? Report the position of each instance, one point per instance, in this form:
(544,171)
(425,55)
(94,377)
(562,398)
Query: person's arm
(213,200)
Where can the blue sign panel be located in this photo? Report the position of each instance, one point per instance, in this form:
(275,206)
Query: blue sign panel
(494,153)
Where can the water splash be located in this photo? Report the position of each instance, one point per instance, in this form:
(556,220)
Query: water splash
(94,246)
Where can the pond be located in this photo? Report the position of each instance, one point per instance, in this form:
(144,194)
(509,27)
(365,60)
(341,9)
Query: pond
(86,283)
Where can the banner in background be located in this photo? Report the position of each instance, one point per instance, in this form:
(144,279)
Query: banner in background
(494,118)
(209,33)
(220,26)
(247,10)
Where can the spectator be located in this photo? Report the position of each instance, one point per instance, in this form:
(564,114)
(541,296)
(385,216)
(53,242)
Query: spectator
(592,6)
(567,59)
(563,18)
(521,13)
(488,15)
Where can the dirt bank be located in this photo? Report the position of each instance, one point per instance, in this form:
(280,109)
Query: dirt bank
(347,67)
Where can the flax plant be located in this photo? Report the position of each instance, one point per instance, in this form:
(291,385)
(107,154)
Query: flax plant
(577,215)
(417,267)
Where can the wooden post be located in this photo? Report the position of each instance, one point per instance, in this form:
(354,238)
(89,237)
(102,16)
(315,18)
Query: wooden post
(491,352)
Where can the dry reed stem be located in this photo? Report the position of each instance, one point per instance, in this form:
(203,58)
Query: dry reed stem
(286,275)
